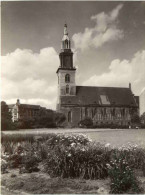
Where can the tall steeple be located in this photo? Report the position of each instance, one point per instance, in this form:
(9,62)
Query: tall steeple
(66,55)
(65,44)
(66,70)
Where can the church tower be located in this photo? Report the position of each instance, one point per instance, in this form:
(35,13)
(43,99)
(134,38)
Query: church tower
(66,70)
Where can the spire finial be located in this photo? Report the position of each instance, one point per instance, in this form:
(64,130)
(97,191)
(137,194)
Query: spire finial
(65,29)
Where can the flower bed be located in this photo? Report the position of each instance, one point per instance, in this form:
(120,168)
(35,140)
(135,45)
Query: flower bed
(87,162)
(75,156)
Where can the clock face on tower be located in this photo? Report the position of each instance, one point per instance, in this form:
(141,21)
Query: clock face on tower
(67,62)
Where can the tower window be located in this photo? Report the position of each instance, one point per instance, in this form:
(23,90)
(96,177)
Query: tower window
(67,89)
(66,44)
(67,78)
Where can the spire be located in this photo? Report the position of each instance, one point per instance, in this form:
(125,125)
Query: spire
(18,102)
(65,29)
(130,86)
(65,45)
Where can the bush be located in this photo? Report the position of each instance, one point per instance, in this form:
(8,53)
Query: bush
(122,176)
(59,119)
(142,119)
(6,118)
(67,140)
(88,162)
(30,163)
(75,156)
(4,166)
(15,160)
(135,119)
(87,122)
(134,155)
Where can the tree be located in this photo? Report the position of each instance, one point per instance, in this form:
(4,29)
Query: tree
(135,119)
(6,117)
(25,123)
(45,119)
(142,118)
(59,118)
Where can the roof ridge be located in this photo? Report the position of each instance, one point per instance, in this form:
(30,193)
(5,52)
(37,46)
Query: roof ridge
(30,104)
(102,87)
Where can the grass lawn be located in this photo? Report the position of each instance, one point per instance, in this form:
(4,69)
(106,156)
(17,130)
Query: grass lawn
(119,137)
(116,137)
(41,183)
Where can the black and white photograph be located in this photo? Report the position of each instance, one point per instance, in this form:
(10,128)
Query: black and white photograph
(72,97)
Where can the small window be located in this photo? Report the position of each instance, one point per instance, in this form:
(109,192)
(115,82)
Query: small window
(67,78)
(104,99)
(67,89)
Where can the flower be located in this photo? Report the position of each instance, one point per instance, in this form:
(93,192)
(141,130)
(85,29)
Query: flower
(73,144)
(108,165)
(90,140)
(83,149)
(107,145)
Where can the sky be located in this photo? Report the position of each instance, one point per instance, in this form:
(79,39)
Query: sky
(108,42)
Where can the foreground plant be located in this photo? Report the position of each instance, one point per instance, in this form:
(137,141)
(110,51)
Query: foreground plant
(75,156)
(122,177)
(88,162)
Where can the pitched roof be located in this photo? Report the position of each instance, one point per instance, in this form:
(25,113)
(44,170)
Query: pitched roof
(11,105)
(29,106)
(107,96)
(25,106)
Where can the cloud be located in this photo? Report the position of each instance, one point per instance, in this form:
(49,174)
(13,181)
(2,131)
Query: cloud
(105,30)
(121,73)
(30,76)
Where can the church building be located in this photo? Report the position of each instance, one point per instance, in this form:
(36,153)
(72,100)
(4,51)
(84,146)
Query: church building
(104,105)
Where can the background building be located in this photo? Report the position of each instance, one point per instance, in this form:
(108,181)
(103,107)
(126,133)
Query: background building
(20,111)
(142,102)
(104,105)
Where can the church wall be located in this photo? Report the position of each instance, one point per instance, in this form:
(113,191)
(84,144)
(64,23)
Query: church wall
(99,115)
(75,116)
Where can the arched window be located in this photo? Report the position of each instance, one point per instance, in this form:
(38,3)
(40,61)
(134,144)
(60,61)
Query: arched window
(67,78)
(81,114)
(66,44)
(67,89)
(69,116)
(86,112)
